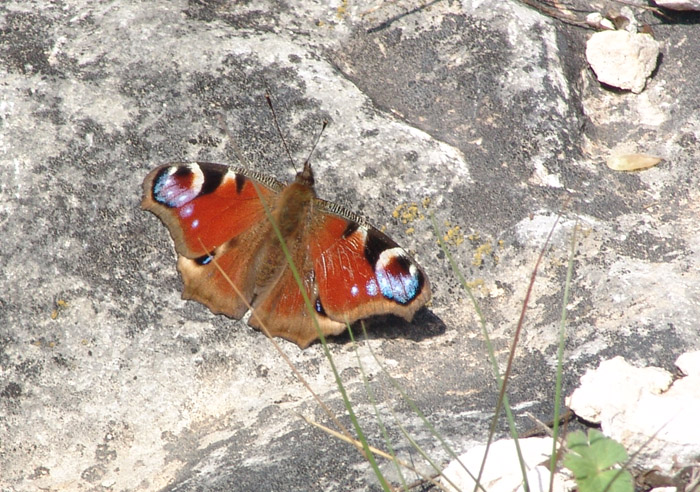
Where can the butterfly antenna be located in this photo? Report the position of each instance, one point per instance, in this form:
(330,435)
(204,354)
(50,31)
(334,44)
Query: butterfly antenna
(268,98)
(318,138)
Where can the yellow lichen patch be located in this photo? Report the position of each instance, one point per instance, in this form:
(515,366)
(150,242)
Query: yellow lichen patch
(425,202)
(60,306)
(453,235)
(342,9)
(478,286)
(43,343)
(476,283)
(407,212)
(484,249)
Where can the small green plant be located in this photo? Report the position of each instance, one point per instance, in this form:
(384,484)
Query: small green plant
(595,461)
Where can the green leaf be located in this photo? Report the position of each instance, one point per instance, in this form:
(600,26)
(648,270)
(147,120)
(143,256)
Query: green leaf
(595,462)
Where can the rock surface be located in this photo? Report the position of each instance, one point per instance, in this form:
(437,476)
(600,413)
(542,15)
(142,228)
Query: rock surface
(485,110)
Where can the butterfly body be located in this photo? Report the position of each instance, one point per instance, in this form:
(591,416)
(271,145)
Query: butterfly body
(221,220)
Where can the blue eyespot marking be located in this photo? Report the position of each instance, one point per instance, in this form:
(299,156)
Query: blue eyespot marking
(204,260)
(176,186)
(398,278)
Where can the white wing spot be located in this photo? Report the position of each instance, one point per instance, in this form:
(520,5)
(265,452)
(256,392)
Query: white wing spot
(372,288)
(187,211)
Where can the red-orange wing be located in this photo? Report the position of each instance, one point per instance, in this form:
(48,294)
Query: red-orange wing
(348,269)
(360,271)
(212,211)
(206,204)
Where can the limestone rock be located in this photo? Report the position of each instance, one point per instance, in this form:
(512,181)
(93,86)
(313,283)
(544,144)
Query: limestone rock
(622,59)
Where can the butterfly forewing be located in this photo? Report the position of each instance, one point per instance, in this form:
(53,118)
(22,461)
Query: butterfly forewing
(204,204)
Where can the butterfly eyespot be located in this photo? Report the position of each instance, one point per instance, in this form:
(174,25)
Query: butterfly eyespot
(376,244)
(319,307)
(204,260)
(399,279)
(372,288)
(177,185)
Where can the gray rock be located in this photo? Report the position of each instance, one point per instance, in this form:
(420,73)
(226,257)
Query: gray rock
(487,109)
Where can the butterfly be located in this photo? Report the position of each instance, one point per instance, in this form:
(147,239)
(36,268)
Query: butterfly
(220,220)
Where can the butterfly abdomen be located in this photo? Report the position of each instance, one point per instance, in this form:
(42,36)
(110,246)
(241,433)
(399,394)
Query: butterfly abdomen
(292,209)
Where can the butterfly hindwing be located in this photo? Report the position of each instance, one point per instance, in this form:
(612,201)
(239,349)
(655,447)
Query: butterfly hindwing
(282,311)
(229,293)
(362,272)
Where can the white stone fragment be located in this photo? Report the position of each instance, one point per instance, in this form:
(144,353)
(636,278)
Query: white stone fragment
(502,471)
(596,19)
(641,409)
(679,4)
(612,386)
(631,25)
(622,59)
(689,363)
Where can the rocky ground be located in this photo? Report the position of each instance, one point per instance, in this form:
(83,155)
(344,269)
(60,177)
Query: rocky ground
(485,114)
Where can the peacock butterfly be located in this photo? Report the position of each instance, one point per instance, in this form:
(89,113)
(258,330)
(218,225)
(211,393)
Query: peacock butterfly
(349,269)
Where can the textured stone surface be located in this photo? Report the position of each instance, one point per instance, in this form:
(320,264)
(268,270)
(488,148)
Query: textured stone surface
(487,110)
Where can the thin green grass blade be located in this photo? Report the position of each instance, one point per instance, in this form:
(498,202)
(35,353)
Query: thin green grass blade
(373,402)
(560,357)
(414,408)
(503,398)
(309,307)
